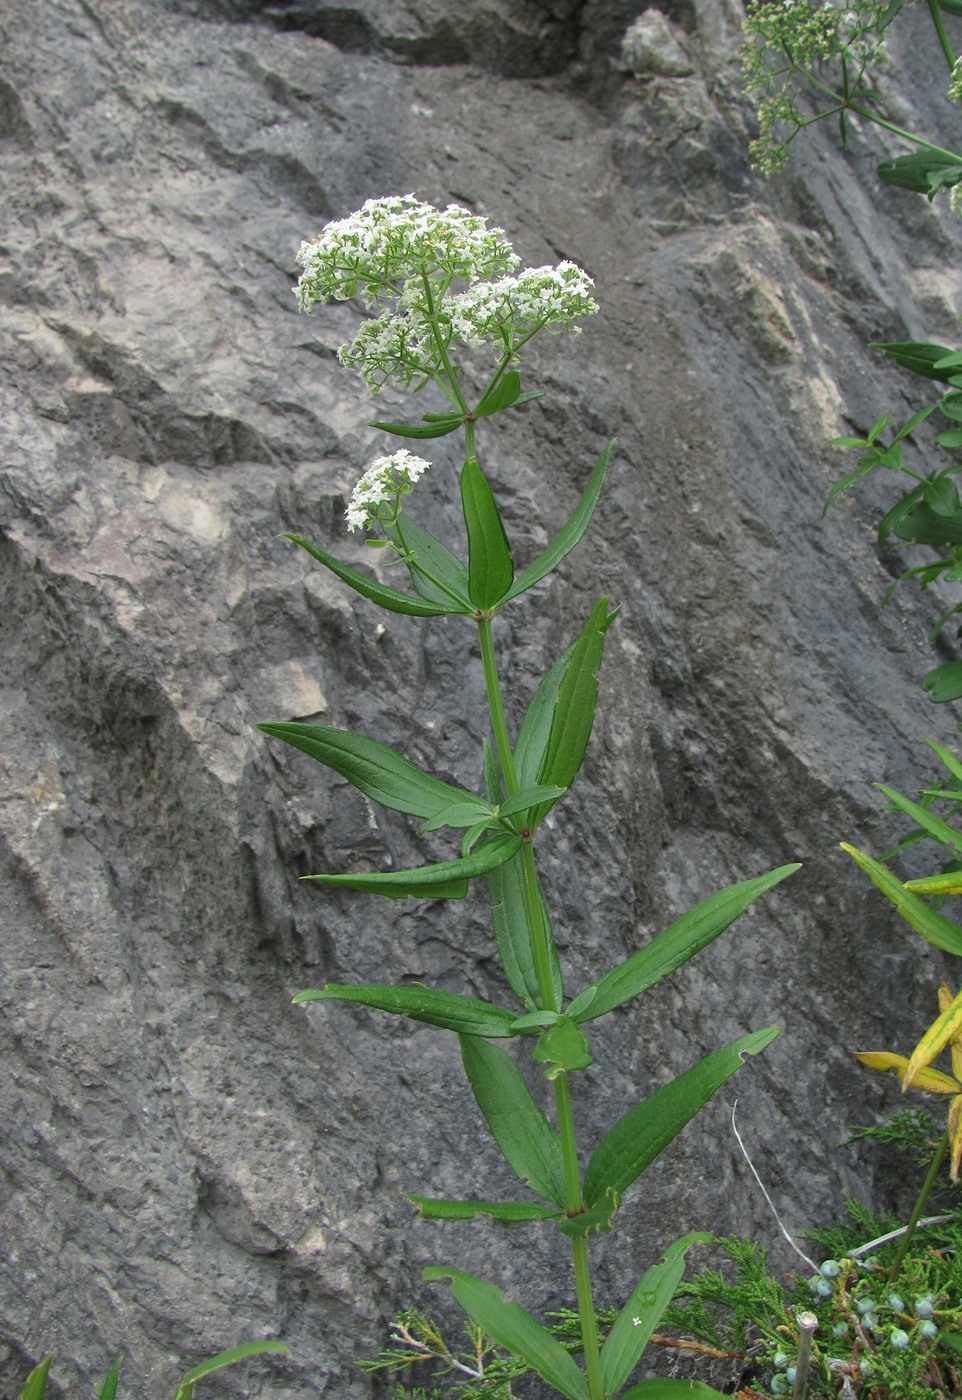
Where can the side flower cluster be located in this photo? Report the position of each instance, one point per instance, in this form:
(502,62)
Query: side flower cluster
(436,279)
(386,480)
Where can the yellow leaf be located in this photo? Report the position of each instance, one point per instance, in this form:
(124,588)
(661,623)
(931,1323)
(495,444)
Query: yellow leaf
(937,884)
(955,1135)
(936,1038)
(931,1081)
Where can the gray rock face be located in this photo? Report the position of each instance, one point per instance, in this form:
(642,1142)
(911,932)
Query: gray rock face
(187,1161)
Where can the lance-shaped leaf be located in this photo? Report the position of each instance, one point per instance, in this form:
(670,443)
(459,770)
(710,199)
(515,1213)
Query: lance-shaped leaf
(379,772)
(920,357)
(490,566)
(502,395)
(643,1133)
(933,927)
(437,574)
(225,1358)
(508,1324)
(432,1209)
(390,598)
(36,1382)
(569,535)
(108,1391)
(526,1139)
(432,425)
(574,709)
(466,1015)
(672,1390)
(532,742)
(674,946)
(448,879)
(469,812)
(939,830)
(510,920)
(924,172)
(641,1314)
(932,1081)
(594,1220)
(944,1030)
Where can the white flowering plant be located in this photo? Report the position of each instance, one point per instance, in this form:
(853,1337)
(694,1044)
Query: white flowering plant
(439,286)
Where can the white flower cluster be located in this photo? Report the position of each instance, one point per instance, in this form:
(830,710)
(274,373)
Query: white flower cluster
(386,480)
(405,259)
(955,86)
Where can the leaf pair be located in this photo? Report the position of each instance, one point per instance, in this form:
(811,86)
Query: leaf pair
(513,1328)
(504,393)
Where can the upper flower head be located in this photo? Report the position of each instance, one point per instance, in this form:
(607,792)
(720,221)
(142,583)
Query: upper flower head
(435,278)
(384,482)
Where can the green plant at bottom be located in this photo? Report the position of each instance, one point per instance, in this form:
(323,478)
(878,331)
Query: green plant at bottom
(36,1383)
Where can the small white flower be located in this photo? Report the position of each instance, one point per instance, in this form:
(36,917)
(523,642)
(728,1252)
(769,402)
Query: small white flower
(386,479)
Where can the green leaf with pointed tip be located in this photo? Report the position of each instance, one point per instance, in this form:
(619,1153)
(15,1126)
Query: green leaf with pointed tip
(503,395)
(380,773)
(466,1015)
(673,947)
(570,534)
(595,1220)
(524,1136)
(510,920)
(933,927)
(939,830)
(225,1358)
(643,1133)
(641,1314)
(108,1391)
(448,879)
(672,1390)
(390,598)
(944,683)
(918,171)
(460,814)
(563,1047)
(432,425)
(532,741)
(574,710)
(948,758)
(437,574)
(508,1324)
(490,566)
(922,525)
(527,797)
(469,1210)
(36,1382)
(535,1021)
(918,356)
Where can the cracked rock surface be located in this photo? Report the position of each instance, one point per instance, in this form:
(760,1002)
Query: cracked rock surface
(187,1161)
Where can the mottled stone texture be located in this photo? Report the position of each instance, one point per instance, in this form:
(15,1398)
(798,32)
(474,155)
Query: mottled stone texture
(186,1160)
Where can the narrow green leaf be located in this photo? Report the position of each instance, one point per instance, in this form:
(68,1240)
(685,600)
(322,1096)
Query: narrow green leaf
(437,574)
(641,1314)
(643,1133)
(432,425)
(574,710)
(915,172)
(466,1015)
(503,395)
(510,920)
(228,1358)
(941,493)
(923,525)
(532,742)
(944,683)
(527,797)
(469,1210)
(448,879)
(595,1220)
(668,950)
(845,482)
(570,533)
(933,927)
(893,517)
(918,356)
(939,830)
(948,758)
(390,598)
(672,1390)
(36,1382)
(563,1047)
(461,814)
(508,1324)
(379,772)
(490,566)
(527,1141)
(108,1391)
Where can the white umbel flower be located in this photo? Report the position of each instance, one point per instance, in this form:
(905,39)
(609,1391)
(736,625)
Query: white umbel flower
(385,481)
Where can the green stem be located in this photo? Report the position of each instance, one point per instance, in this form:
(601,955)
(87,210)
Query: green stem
(935,13)
(916,1215)
(845,104)
(495,706)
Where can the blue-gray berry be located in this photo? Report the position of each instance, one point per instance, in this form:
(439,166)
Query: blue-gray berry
(898,1338)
